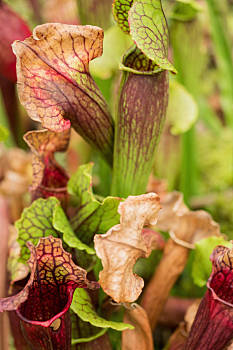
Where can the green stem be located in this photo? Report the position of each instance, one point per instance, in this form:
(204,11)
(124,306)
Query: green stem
(188,178)
(208,116)
(11,111)
(37,10)
(4,121)
(94,12)
(140,118)
(186,40)
(224,58)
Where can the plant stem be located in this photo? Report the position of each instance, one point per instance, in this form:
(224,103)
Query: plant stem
(171,265)
(4,121)
(188,176)
(140,338)
(208,116)
(140,118)
(94,12)
(224,58)
(11,116)
(37,10)
(187,42)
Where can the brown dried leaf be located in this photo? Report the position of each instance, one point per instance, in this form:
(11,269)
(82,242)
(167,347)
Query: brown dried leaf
(172,206)
(55,85)
(187,225)
(141,337)
(158,186)
(190,314)
(230,346)
(15,177)
(13,184)
(153,239)
(15,171)
(124,244)
(178,338)
(14,159)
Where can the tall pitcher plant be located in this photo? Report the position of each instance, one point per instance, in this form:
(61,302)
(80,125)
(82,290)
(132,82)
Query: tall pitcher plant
(143,95)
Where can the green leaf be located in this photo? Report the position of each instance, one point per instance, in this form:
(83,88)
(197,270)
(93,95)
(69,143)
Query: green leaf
(148,28)
(4,133)
(43,218)
(120,10)
(83,332)
(92,216)
(36,222)
(182,110)
(201,267)
(82,306)
(80,185)
(87,340)
(61,224)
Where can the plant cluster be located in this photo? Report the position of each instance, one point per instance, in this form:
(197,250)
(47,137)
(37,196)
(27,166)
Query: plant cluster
(98,245)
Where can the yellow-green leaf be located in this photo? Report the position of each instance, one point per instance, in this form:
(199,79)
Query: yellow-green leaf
(82,306)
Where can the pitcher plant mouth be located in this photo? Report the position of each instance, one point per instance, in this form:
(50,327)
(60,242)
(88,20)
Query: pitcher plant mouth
(55,331)
(213,324)
(220,282)
(134,61)
(23,309)
(216,297)
(42,306)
